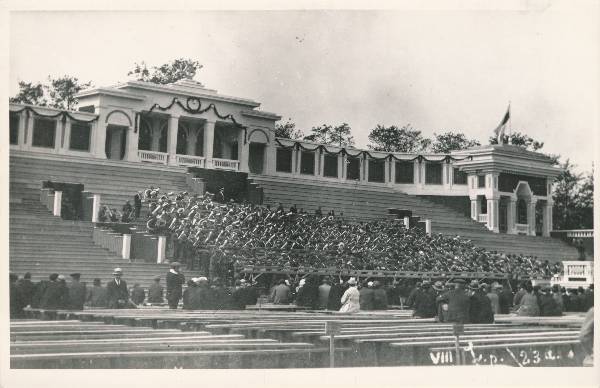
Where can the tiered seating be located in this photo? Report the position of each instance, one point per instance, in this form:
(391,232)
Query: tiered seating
(116,182)
(368,201)
(387,338)
(42,244)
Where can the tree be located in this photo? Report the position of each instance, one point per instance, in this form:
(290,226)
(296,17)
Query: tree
(394,139)
(62,91)
(288,130)
(328,134)
(30,93)
(564,194)
(167,73)
(451,141)
(519,139)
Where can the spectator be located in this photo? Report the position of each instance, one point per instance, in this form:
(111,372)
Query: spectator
(117,294)
(175,281)
(480,310)
(366,296)
(96,296)
(335,295)
(459,303)
(548,305)
(556,294)
(586,337)
(127,212)
(441,301)
(380,300)
(280,293)
(505,298)
(425,301)
(77,292)
(324,290)
(351,299)
(238,296)
(26,289)
(137,203)
(138,294)
(16,298)
(529,305)
(494,298)
(155,292)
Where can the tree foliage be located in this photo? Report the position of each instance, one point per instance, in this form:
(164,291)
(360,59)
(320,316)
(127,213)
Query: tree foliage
(288,130)
(62,91)
(394,139)
(451,141)
(328,134)
(166,73)
(58,92)
(30,93)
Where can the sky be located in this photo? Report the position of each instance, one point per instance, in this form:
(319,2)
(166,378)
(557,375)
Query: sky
(436,70)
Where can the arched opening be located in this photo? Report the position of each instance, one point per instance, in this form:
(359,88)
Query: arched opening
(116,142)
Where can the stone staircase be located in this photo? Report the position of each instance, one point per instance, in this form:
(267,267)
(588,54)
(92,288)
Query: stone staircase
(41,243)
(368,201)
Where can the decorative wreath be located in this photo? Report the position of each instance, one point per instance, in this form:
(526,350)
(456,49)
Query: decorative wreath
(193,104)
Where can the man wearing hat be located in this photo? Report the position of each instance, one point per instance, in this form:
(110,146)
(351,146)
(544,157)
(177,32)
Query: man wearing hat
(175,281)
(155,292)
(77,292)
(458,303)
(117,294)
(441,301)
(366,296)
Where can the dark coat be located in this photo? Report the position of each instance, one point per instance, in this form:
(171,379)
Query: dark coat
(77,295)
(308,296)
(238,298)
(26,290)
(480,310)
(380,299)
(117,296)
(174,286)
(138,294)
(459,304)
(16,301)
(425,303)
(55,296)
(366,298)
(155,293)
(335,295)
(197,298)
(251,295)
(505,300)
(96,296)
(548,306)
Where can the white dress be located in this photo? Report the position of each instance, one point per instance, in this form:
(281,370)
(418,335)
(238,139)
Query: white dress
(350,301)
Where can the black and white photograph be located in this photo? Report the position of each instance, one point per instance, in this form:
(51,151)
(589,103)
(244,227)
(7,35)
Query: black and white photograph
(407,188)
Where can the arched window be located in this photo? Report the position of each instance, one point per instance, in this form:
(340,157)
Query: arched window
(521,211)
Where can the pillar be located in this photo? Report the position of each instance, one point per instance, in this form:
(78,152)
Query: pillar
(209,139)
(492,212)
(243,151)
(133,138)
(392,171)
(341,160)
(99,134)
(318,164)
(365,169)
(386,171)
(475,207)
(296,158)
(547,226)
(172,129)
(62,141)
(270,159)
(511,216)
(531,216)
(161,249)
(126,247)
(57,205)
(190,145)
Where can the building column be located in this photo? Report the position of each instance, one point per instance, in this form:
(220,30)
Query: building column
(133,138)
(366,170)
(190,145)
(341,164)
(209,139)
(65,134)
(511,216)
(172,129)
(547,222)
(318,164)
(386,171)
(243,151)
(392,172)
(531,216)
(270,159)
(99,134)
(296,157)
(22,126)
(475,207)
(492,213)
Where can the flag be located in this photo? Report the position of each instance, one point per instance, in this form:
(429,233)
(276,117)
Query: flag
(500,129)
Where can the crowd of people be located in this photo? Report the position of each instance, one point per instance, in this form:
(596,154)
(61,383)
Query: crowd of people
(246,234)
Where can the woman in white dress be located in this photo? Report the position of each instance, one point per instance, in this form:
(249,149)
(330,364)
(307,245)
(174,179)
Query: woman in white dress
(350,299)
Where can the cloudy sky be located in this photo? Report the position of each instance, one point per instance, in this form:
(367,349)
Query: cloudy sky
(435,69)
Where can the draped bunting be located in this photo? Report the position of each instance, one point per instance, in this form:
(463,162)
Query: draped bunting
(196,110)
(364,154)
(62,114)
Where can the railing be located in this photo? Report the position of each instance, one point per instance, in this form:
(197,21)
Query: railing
(483,218)
(153,156)
(522,228)
(226,164)
(583,233)
(190,160)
